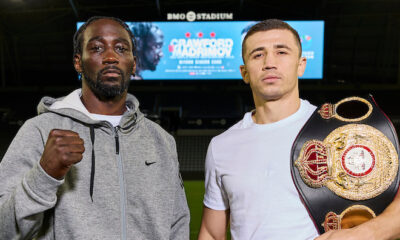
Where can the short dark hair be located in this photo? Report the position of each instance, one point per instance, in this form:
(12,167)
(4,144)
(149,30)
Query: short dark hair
(78,36)
(271,24)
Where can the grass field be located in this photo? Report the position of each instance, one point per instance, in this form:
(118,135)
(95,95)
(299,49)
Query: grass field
(194,194)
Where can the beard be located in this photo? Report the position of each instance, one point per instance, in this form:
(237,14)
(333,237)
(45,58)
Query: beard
(101,89)
(148,63)
(151,65)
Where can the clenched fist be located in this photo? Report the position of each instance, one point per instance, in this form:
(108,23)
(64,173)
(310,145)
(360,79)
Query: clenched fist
(63,149)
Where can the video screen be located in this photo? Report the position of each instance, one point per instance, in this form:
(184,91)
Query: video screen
(209,50)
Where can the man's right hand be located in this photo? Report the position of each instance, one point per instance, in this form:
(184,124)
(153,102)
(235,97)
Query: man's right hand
(63,149)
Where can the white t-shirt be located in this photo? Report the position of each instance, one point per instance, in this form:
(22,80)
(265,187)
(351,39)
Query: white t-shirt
(248,172)
(113,119)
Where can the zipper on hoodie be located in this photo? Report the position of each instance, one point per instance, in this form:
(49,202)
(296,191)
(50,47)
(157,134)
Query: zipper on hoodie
(116,141)
(121,185)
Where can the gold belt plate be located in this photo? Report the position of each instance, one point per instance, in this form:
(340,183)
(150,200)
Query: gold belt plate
(351,217)
(355,161)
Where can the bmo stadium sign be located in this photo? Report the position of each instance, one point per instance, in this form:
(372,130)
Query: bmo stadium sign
(193,16)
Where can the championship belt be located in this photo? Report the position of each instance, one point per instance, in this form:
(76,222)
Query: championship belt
(344,163)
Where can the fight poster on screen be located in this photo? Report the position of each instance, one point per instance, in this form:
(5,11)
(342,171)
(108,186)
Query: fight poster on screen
(210,50)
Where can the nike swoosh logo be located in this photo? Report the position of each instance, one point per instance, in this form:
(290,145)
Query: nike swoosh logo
(149,163)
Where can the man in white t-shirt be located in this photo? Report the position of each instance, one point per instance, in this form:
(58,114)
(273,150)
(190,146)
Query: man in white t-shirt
(248,182)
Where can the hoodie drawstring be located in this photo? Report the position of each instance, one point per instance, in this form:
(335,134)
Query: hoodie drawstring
(93,162)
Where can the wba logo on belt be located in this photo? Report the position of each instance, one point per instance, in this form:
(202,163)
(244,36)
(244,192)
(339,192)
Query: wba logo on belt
(345,163)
